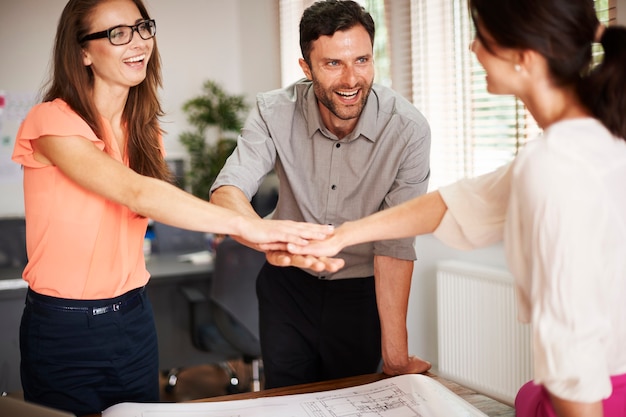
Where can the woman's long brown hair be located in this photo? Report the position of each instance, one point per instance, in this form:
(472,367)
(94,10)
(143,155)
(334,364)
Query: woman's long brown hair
(73,82)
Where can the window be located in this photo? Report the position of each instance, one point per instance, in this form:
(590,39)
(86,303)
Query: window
(473,131)
(422,51)
(290,14)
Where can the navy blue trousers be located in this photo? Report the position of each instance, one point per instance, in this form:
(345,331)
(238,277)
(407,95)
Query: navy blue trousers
(314,330)
(84,356)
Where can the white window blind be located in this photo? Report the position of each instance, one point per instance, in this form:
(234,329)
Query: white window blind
(290,14)
(473,131)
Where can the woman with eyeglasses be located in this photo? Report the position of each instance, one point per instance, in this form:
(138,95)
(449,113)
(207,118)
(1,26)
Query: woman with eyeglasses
(94,172)
(559,207)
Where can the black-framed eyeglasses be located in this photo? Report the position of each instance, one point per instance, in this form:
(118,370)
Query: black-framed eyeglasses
(123,34)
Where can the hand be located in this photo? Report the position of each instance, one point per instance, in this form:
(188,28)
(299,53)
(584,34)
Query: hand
(273,234)
(414,365)
(283,258)
(330,246)
(276,250)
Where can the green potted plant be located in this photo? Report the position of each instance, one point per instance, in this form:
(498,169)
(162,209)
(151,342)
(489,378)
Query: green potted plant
(222,112)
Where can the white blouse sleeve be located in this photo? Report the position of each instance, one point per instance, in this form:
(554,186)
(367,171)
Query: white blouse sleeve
(476,210)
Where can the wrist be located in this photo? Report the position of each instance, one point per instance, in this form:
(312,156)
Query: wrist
(346,234)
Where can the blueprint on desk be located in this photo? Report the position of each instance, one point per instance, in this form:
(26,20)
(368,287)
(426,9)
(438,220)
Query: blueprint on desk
(400,396)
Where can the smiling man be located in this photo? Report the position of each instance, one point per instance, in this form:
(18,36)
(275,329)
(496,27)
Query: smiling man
(343,148)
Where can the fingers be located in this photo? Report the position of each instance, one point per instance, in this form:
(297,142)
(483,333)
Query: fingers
(316,248)
(315,231)
(278,258)
(318,264)
(274,246)
(308,231)
(327,264)
(295,232)
(275,237)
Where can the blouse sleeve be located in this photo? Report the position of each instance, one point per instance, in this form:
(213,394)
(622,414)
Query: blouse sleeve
(476,210)
(53,118)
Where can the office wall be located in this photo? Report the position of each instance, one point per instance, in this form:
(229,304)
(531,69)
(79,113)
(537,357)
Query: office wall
(422,312)
(235,43)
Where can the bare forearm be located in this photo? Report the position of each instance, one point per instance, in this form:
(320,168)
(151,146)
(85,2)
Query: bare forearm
(168,204)
(416,217)
(234,199)
(162,201)
(393,284)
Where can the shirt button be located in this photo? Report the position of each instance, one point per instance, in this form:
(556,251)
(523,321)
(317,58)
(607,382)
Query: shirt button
(338,145)
(333,187)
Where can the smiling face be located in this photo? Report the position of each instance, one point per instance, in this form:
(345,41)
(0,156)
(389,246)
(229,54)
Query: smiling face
(121,66)
(342,71)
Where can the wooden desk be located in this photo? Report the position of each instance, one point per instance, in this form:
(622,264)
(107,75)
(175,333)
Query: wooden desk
(485,404)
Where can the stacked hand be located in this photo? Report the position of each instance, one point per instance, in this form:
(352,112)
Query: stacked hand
(318,264)
(289,243)
(316,254)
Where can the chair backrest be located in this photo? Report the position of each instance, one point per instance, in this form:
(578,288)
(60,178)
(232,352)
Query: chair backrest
(265,199)
(233,288)
(10,407)
(12,242)
(173,239)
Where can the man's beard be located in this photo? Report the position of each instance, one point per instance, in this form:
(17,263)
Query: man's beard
(340,110)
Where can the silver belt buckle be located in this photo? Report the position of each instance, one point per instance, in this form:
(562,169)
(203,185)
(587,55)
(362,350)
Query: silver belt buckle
(103,310)
(96,311)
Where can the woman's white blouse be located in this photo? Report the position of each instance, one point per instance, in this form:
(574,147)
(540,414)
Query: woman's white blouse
(560,207)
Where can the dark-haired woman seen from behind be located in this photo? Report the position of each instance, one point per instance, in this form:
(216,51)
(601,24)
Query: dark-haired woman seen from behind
(559,207)
(94,172)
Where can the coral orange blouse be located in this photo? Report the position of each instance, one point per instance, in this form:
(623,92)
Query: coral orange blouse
(80,245)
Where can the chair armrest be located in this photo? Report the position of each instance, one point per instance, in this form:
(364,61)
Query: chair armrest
(199,313)
(193,295)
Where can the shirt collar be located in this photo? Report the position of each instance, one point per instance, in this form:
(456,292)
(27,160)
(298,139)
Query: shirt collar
(366,126)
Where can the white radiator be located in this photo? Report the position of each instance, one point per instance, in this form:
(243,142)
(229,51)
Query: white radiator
(481,344)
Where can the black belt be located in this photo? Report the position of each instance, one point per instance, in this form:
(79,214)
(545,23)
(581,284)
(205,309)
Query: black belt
(125,302)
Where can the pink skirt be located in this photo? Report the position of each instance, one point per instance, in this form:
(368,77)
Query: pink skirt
(534,401)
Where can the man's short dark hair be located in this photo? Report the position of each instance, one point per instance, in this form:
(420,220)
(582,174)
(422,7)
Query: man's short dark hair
(326,17)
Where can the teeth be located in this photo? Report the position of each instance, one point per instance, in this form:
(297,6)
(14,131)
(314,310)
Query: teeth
(135,59)
(354,93)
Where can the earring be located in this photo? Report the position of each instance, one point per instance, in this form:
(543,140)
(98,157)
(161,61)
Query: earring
(517,67)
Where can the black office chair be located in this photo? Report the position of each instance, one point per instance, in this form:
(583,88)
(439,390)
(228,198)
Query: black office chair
(13,242)
(265,199)
(226,323)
